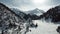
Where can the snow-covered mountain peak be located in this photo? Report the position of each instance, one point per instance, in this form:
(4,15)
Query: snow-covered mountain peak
(36,11)
(37,8)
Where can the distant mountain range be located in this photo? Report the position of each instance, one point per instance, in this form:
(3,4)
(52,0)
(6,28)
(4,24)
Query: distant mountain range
(36,11)
(53,14)
(33,14)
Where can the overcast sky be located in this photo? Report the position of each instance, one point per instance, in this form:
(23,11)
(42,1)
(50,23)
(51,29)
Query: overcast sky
(26,5)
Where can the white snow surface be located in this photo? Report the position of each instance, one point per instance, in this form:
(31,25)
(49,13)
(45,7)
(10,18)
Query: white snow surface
(44,28)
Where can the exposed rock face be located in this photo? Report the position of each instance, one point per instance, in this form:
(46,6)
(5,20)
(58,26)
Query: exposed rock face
(53,14)
(12,23)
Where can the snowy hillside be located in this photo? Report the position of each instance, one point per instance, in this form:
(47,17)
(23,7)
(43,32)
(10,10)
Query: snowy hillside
(11,23)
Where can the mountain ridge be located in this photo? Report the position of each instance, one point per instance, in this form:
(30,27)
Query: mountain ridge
(35,11)
(53,14)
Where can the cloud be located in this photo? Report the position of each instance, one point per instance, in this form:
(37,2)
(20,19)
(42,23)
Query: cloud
(29,4)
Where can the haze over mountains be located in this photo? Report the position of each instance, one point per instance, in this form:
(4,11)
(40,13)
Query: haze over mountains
(33,14)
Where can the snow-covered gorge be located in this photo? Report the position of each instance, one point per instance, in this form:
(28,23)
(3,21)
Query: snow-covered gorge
(44,28)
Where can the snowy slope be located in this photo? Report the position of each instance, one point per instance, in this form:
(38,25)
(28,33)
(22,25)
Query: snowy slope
(17,11)
(11,22)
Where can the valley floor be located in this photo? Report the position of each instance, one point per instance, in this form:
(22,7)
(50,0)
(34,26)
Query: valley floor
(44,28)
